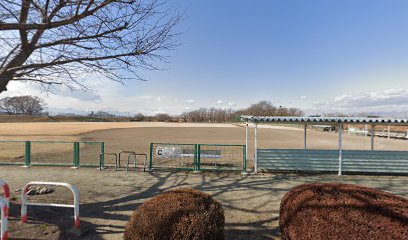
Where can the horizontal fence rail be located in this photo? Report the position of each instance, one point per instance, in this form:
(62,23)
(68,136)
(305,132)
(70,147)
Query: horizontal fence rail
(353,161)
(51,153)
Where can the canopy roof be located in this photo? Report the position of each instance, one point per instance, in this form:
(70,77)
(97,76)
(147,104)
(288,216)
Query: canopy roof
(326,120)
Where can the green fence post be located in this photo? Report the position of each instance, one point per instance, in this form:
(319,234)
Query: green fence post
(196,164)
(195,158)
(198,157)
(151,157)
(244,164)
(27,161)
(102,156)
(78,155)
(74,155)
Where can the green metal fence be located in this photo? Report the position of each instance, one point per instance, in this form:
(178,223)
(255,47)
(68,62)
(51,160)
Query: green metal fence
(89,153)
(53,153)
(173,155)
(198,157)
(50,153)
(14,152)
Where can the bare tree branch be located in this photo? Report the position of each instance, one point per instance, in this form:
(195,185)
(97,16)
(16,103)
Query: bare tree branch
(67,41)
(49,25)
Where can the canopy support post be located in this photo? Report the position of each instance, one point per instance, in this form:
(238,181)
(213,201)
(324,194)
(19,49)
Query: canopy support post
(305,137)
(246,141)
(256,149)
(340,149)
(372,137)
(365,130)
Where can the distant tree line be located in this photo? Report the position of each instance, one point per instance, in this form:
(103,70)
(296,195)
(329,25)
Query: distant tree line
(31,105)
(262,108)
(22,105)
(101,114)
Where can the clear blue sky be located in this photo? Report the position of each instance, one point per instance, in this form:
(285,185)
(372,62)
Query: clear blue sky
(343,55)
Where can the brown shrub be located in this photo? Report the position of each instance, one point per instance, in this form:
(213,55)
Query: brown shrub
(342,211)
(178,214)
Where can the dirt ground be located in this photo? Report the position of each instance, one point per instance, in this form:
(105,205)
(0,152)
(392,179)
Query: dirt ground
(274,137)
(137,136)
(251,203)
(29,131)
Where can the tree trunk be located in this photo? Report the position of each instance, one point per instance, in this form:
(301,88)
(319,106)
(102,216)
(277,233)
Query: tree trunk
(18,60)
(4,80)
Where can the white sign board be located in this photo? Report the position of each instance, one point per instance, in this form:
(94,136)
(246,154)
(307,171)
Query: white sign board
(168,152)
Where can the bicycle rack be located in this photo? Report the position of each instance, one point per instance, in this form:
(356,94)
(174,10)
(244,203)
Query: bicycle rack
(25,203)
(120,153)
(102,163)
(135,155)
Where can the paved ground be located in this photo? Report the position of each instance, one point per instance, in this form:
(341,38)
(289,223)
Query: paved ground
(251,203)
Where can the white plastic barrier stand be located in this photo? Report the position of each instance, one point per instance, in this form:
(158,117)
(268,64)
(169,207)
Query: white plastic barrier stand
(4,219)
(6,190)
(25,203)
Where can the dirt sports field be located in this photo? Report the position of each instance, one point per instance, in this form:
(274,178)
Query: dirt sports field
(251,203)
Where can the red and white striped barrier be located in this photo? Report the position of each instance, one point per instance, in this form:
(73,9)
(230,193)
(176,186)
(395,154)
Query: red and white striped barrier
(4,219)
(25,203)
(6,190)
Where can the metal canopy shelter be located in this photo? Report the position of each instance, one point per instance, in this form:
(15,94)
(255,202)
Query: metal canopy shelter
(326,120)
(339,121)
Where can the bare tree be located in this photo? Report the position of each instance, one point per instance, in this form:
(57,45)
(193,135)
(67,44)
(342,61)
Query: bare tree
(66,41)
(101,114)
(24,105)
(163,117)
(266,108)
(262,108)
(138,117)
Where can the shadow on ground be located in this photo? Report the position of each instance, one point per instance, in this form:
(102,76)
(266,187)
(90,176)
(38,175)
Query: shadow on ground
(263,227)
(47,223)
(251,203)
